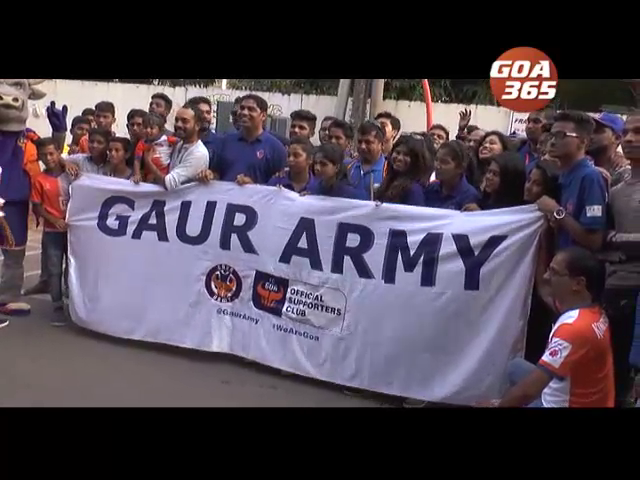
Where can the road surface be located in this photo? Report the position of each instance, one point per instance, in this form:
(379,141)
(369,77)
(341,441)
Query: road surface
(45,366)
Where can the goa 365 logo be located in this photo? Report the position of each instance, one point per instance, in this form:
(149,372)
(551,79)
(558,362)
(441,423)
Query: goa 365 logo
(524,79)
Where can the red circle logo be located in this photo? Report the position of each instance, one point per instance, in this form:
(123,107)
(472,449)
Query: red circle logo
(524,79)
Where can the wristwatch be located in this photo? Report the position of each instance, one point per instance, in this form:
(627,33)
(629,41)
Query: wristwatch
(559,213)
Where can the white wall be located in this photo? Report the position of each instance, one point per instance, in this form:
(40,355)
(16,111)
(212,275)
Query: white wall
(79,95)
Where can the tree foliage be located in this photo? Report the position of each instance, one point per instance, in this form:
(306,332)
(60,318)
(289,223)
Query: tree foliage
(589,95)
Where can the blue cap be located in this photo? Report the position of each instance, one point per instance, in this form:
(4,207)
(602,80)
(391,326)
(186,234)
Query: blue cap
(610,120)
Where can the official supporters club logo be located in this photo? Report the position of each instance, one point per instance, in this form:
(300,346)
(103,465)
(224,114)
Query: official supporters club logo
(269,292)
(223,283)
(524,79)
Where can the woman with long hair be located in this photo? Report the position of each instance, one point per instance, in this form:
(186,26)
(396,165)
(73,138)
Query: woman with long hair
(331,171)
(408,172)
(503,183)
(544,179)
(493,143)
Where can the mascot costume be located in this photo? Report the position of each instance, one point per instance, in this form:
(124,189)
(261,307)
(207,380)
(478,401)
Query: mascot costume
(19,166)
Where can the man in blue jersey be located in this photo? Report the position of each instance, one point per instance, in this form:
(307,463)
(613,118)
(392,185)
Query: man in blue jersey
(580,219)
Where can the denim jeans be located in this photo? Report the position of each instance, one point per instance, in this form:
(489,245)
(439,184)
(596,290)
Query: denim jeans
(517,371)
(55,248)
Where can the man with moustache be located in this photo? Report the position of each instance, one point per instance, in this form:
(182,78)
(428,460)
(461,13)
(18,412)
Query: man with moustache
(603,149)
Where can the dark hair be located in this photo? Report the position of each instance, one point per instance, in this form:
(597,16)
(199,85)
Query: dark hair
(165,98)
(335,156)
(106,107)
(461,156)
(346,127)
(136,113)
(305,116)
(550,178)
(124,141)
(154,120)
(329,118)
(197,113)
(45,142)
(88,112)
(237,101)
(458,152)
(368,127)
(393,120)
(395,184)
(101,132)
(261,103)
(305,144)
(428,143)
(439,126)
(580,262)
(584,124)
(80,120)
(510,192)
(472,128)
(502,138)
(196,101)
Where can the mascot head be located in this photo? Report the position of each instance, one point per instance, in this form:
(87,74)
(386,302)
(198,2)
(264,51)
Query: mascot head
(14,102)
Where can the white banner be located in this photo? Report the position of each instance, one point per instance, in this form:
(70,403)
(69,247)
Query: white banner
(409,301)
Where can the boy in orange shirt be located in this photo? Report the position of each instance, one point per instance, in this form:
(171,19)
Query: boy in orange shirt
(49,196)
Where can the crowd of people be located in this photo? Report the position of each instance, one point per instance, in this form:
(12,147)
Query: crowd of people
(585,304)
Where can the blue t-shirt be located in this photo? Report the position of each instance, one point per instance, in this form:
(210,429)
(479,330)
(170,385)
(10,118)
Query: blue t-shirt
(366,180)
(462,195)
(414,195)
(528,156)
(285,182)
(259,159)
(212,141)
(340,190)
(584,197)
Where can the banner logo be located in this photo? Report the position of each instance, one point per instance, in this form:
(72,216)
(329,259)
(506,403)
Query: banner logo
(524,79)
(223,283)
(269,293)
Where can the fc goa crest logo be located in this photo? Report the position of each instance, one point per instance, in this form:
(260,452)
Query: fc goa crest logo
(260,154)
(223,283)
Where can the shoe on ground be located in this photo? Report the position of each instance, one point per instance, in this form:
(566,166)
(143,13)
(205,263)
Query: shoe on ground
(354,392)
(59,319)
(4,322)
(15,309)
(37,289)
(414,403)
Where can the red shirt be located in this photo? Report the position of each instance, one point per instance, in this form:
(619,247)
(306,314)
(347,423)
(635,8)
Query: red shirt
(53,194)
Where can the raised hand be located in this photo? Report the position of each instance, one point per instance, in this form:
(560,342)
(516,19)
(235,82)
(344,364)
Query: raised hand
(465,119)
(57,118)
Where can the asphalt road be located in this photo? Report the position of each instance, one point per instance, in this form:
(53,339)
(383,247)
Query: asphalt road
(45,366)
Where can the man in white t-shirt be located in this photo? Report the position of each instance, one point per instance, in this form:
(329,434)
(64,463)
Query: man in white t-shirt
(189,156)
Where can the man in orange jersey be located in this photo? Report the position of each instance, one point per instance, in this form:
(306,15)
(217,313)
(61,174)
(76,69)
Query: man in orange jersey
(576,370)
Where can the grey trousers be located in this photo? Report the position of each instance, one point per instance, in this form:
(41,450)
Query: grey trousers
(12,275)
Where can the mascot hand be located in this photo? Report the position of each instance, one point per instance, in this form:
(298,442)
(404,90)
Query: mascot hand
(57,118)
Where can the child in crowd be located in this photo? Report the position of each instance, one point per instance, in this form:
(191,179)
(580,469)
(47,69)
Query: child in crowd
(503,183)
(332,173)
(297,177)
(80,127)
(409,171)
(119,148)
(156,144)
(49,196)
(96,161)
(451,190)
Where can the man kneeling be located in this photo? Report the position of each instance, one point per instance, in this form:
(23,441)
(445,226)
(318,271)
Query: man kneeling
(576,369)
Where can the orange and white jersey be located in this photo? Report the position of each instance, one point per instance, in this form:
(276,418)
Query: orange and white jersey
(580,359)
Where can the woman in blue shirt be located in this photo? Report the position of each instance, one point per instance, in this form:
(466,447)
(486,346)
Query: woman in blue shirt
(297,176)
(503,183)
(332,174)
(408,170)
